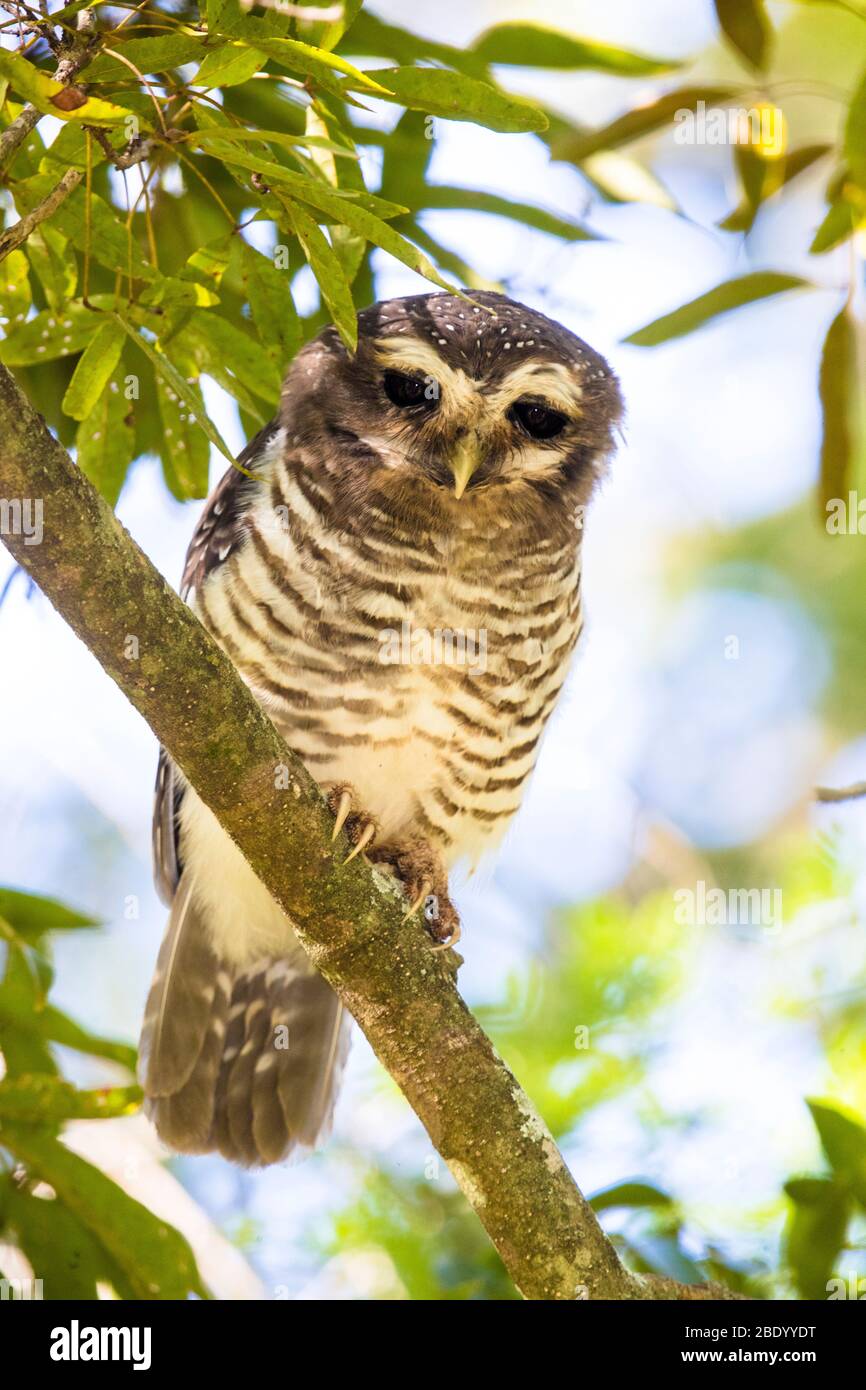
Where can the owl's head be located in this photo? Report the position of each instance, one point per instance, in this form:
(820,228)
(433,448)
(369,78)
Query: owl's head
(456,404)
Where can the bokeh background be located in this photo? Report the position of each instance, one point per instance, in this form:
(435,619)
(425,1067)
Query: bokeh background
(720,679)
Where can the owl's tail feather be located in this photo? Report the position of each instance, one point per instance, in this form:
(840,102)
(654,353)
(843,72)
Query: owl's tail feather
(245,1061)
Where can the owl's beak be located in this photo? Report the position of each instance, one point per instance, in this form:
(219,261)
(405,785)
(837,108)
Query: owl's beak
(464,461)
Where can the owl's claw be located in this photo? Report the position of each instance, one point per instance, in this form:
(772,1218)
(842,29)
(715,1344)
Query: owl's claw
(367,834)
(449,941)
(423,893)
(344,806)
(360,828)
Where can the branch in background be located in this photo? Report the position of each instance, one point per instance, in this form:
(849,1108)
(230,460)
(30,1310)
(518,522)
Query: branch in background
(841,793)
(15,235)
(69,66)
(348,917)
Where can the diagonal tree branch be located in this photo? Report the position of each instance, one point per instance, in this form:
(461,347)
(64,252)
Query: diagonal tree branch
(348,917)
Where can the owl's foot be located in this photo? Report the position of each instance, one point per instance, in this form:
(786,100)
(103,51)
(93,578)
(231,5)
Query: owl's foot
(360,827)
(425,881)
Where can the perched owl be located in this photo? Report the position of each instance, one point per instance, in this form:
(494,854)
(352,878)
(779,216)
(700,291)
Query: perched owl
(431,483)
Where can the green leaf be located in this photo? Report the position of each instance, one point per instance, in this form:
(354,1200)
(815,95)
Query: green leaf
(840,223)
(745,24)
(837,390)
(184,390)
(14,286)
(229,66)
(272,307)
(538,46)
(155,1258)
(337,204)
(32,916)
(443,196)
(53,99)
(371,36)
(809,1192)
(457,97)
(814,1238)
(57,269)
(843,1138)
(148,55)
(855,134)
(67,1258)
(327,33)
(184,450)
(317,63)
(105,442)
(94,369)
(231,356)
(642,120)
(284,138)
(630,1194)
(333,285)
(733,294)
(41,1100)
(110,243)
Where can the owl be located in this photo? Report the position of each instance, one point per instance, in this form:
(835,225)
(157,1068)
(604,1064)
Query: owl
(395,573)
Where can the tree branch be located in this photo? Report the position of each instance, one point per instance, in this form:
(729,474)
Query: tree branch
(348,917)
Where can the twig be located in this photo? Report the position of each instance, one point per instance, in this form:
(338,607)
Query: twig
(841,793)
(13,237)
(349,918)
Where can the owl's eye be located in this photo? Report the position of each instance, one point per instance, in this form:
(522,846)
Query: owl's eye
(537,420)
(405,390)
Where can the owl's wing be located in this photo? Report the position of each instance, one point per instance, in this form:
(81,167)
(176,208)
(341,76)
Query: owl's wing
(219,530)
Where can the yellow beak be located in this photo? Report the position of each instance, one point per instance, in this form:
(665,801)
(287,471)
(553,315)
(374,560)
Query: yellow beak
(464,461)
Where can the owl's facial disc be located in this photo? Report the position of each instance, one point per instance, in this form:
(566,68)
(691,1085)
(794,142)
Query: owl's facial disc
(461,428)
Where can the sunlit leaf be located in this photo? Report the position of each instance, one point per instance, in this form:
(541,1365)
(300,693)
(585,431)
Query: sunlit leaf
(227,66)
(40,1100)
(14,285)
(53,99)
(94,369)
(843,1140)
(733,294)
(457,97)
(148,55)
(323,261)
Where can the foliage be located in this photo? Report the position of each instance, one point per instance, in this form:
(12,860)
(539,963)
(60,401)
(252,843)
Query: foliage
(78,1229)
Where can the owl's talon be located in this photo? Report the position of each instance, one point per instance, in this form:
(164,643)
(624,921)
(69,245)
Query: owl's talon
(367,834)
(450,941)
(420,898)
(344,806)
